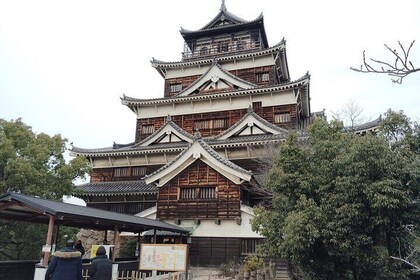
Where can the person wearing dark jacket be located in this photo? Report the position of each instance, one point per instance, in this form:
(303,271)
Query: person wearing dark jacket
(66,264)
(101,267)
(79,247)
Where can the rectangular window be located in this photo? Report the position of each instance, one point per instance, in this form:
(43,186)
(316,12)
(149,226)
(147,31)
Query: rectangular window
(121,172)
(176,87)
(204,193)
(256,105)
(147,129)
(262,77)
(211,124)
(249,246)
(282,118)
(139,171)
(223,46)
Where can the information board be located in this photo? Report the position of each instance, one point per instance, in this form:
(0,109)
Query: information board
(166,257)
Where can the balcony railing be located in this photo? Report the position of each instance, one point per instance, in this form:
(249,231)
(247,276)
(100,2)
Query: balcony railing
(219,49)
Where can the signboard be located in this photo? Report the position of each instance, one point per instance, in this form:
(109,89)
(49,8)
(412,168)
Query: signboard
(108,249)
(166,257)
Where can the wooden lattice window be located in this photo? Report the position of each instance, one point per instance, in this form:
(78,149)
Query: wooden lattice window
(176,87)
(262,77)
(147,129)
(256,104)
(204,51)
(139,171)
(121,172)
(211,124)
(282,118)
(223,46)
(249,246)
(198,193)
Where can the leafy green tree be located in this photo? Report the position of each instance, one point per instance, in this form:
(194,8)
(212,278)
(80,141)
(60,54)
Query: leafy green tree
(341,200)
(32,164)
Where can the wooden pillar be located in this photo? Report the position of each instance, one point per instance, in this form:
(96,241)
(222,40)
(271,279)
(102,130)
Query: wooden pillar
(154,236)
(48,241)
(55,239)
(105,242)
(115,242)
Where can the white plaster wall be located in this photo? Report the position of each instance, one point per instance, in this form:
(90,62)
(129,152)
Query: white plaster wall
(215,105)
(208,228)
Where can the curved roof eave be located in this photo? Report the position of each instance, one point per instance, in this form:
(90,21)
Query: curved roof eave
(164,64)
(212,142)
(130,101)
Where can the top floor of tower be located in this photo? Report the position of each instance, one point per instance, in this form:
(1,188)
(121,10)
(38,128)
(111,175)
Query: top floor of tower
(225,34)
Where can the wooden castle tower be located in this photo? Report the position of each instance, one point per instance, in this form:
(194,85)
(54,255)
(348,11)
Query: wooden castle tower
(193,159)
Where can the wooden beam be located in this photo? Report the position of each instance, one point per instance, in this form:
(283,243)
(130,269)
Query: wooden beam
(8,205)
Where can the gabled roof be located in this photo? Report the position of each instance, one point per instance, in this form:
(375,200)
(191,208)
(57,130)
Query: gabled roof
(251,124)
(116,188)
(14,206)
(168,133)
(199,150)
(216,78)
(225,22)
(223,17)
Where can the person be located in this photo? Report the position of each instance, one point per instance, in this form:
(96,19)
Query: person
(101,267)
(65,264)
(79,247)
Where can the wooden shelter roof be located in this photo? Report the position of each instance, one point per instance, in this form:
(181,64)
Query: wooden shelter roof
(15,206)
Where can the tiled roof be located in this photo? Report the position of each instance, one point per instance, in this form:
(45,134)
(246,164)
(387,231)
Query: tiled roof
(117,187)
(130,101)
(179,147)
(169,122)
(16,206)
(371,125)
(212,153)
(215,64)
(262,120)
(162,232)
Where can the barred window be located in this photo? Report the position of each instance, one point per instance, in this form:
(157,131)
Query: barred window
(262,77)
(282,118)
(147,129)
(256,104)
(139,171)
(249,246)
(223,46)
(204,51)
(176,87)
(122,172)
(198,193)
(210,124)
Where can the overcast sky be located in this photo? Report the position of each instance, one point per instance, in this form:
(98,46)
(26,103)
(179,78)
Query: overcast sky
(65,64)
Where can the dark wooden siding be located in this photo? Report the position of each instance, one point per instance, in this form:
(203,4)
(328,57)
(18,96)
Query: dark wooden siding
(107,174)
(214,250)
(225,206)
(187,121)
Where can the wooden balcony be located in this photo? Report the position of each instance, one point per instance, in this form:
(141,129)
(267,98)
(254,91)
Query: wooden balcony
(219,49)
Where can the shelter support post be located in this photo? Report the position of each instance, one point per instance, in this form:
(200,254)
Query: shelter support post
(115,241)
(48,241)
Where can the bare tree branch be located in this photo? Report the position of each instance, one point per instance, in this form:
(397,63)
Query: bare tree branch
(350,114)
(401,68)
(411,257)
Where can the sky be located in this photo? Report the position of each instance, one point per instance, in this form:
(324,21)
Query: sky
(64,65)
